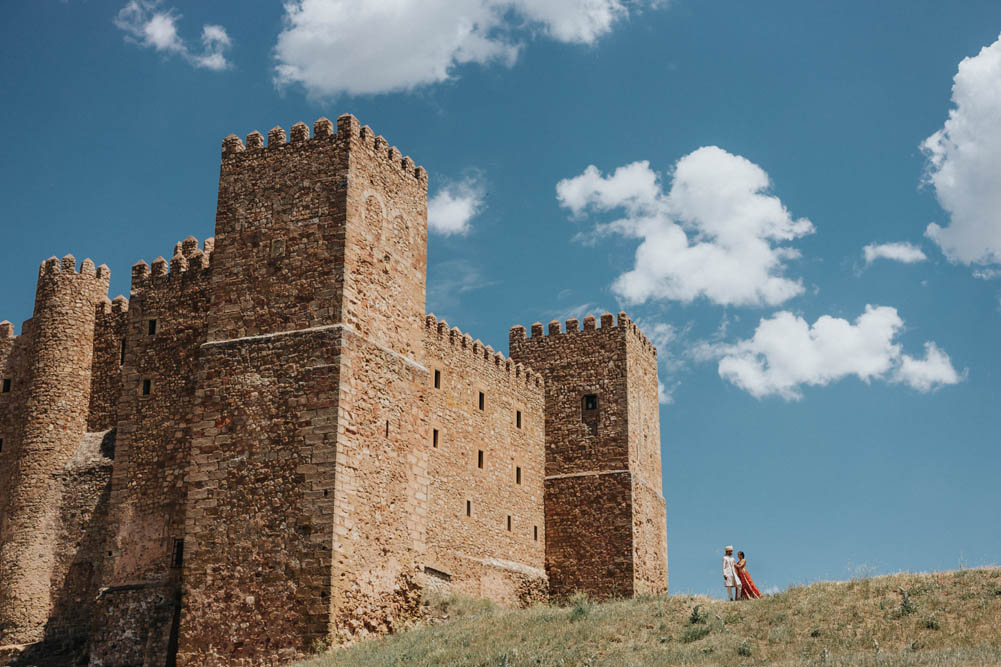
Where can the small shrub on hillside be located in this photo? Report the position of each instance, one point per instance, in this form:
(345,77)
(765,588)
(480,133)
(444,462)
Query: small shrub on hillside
(695,633)
(744,650)
(581,606)
(815,632)
(931,623)
(906,606)
(697,616)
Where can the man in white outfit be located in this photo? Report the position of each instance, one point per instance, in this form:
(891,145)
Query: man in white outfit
(730,578)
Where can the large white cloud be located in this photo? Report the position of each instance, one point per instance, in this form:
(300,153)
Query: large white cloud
(146,24)
(455,205)
(376,46)
(715,234)
(964,163)
(785,353)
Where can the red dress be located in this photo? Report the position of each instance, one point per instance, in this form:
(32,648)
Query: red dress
(748,590)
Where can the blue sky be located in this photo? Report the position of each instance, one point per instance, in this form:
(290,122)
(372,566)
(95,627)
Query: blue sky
(827,414)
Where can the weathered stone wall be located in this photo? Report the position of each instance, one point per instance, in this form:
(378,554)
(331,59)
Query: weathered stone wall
(81,546)
(149,489)
(257,543)
(649,507)
(110,327)
(154,429)
(480,553)
(602,445)
(280,227)
(386,251)
(380,503)
(55,418)
(14,357)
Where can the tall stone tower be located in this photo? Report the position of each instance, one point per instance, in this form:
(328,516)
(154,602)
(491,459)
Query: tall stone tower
(606,531)
(54,420)
(308,473)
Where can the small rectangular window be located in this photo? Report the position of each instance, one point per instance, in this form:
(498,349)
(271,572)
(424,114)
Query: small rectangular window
(122,362)
(517,475)
(151,328)
(483,400)
(591,402)
(469,508)
(509,522)
(536,533)
(147,387)
(517,419)
(434,438)
(178,558)
(6,385)
(1,444)
(479,459)
(437,379)
(387,428)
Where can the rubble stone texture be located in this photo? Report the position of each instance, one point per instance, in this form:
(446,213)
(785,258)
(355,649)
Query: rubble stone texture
(271,446)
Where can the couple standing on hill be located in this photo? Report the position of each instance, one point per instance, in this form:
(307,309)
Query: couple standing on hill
(735,576)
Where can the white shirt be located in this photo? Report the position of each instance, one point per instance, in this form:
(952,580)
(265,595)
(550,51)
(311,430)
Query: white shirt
(729,571)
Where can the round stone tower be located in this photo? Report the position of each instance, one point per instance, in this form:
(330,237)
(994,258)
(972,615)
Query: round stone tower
(54,421)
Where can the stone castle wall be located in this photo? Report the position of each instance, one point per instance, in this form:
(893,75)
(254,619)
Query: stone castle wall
(486,527)
(270,445)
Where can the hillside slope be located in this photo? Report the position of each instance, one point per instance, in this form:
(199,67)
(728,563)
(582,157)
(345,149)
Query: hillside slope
(949,618)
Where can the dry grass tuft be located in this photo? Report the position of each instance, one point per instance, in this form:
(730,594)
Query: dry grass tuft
(948,618)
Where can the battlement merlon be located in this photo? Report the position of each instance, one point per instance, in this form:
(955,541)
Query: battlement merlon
(625,326)
(463,343)
(6,330)
(235,152)
(188,259)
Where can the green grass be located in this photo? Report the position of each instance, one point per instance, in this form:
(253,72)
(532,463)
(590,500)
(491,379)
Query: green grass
(951,618)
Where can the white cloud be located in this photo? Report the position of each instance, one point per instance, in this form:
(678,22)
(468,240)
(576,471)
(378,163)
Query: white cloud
(715,234)
(908,253)
(964,163)
(147,25)
(333,47)
(454,206)
(785,353)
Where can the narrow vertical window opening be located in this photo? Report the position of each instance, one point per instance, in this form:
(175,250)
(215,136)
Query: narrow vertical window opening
(178,558)
(151,328)
(469,508)
(147,387)
(479,459)
(434,438)
(517,475)
(437,379)
(509,522)
(6,385)
(517,419)
(387,428)
(1,444)
(536,533)
(482,400)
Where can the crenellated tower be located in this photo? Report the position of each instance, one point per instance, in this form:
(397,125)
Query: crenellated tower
(308,464)
(56,409)
(606,531)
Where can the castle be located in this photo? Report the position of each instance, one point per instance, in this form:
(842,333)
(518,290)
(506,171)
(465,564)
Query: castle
(271,445)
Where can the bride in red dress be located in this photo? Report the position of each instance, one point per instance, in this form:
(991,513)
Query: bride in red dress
(748,590)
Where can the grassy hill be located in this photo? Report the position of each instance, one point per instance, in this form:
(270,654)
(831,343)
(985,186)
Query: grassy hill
(948,618)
